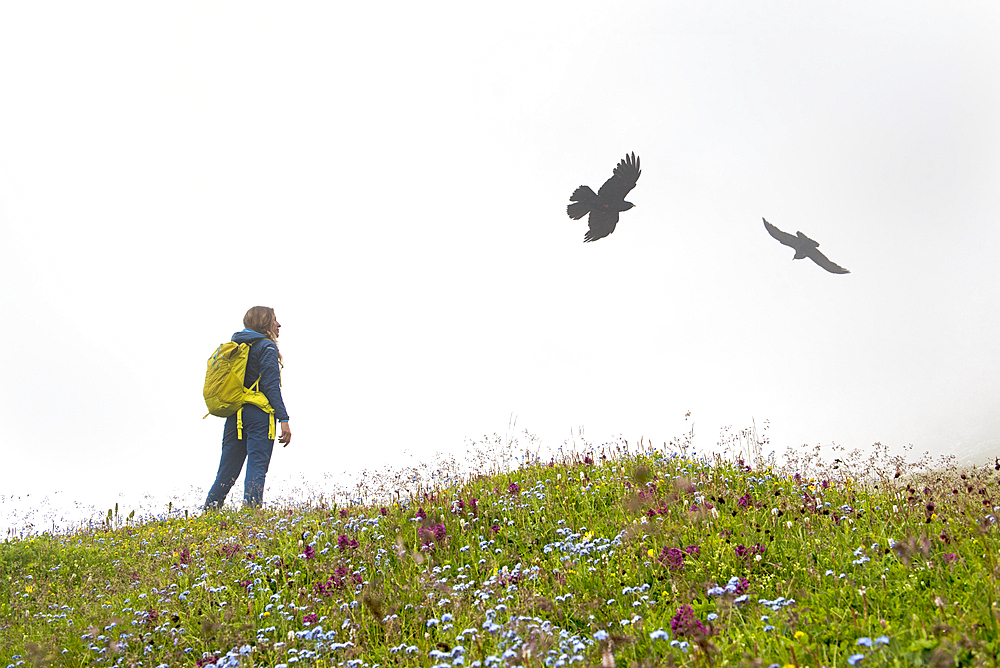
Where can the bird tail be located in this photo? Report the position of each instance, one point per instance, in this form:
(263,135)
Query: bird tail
(583,198)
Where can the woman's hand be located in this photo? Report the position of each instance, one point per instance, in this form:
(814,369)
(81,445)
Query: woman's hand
(286,435)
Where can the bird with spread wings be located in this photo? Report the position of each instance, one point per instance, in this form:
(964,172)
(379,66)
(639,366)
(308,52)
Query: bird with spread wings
(605,205)
(804,247)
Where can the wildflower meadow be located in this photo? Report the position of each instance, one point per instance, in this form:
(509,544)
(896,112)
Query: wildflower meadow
(613,556)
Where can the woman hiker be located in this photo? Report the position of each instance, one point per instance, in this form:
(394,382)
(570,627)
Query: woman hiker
(261,329)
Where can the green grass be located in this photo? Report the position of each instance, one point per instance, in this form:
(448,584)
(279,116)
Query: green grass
(589,561)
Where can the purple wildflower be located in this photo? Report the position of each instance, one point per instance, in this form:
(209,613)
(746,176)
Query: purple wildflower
(744,552)
(672,558)
(686,624)
(310,618)
(431,535)
(335,581)
(229,550)
(514,489)
(309,552)
(345,543)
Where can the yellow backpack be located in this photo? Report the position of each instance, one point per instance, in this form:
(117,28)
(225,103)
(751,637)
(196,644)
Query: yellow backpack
(225,392)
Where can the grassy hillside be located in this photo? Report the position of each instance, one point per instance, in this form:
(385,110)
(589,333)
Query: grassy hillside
(635,559)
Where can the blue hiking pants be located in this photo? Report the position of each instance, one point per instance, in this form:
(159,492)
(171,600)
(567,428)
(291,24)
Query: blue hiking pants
(255,448)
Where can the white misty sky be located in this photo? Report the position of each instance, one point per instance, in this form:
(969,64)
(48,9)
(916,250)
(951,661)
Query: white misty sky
(392,179)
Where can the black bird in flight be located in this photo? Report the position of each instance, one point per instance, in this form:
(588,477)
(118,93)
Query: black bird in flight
(804,247)
(605,205)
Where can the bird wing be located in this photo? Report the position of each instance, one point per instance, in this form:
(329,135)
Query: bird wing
(601,225)
(783,237)
(816,256)
(624,178)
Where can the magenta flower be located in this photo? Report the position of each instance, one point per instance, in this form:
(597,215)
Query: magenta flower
(748,552)
(513,488)
(229,550)
(310,618)
(431,535)
(661,509)
(334,582)
(309,552)
(684,623)
(672,558)
(345,543)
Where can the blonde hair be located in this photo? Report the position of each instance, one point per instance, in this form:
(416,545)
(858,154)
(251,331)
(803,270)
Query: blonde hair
(261,320)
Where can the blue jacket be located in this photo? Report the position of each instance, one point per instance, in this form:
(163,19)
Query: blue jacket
(263,360)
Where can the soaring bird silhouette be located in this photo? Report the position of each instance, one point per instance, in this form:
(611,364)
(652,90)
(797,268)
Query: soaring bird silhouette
(804,247)
(605,205)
